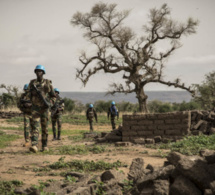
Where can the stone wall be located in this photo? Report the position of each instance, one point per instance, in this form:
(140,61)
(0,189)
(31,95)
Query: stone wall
(166,126)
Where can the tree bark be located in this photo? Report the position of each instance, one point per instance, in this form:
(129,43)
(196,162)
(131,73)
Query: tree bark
(142,100)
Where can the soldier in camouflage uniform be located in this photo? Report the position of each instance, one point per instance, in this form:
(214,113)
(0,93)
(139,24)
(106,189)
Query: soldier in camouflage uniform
(27,115)
(56,113)
(90,114)
(113,113)
(42,96)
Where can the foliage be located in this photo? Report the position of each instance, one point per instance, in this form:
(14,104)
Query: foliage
(69,105)
(190,145)
(156,106)
(127,186)
(6,139)
(8,187)
(205,92)
(79,165)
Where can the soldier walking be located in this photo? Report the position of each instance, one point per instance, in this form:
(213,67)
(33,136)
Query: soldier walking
(56,113)
(27,114)
(42,96)
(90,114)
(113,113)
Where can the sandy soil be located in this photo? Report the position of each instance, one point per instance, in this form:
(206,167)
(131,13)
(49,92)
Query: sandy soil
(16,162)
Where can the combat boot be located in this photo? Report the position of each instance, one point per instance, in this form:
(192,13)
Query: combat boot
(54,136)
(45,149)
(33,149)
(58,135)
(26,144)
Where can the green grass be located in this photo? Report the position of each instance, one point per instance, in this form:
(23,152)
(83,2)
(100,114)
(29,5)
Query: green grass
(81,120)
(6,139)
(86,165)
(190,145)
(8,187)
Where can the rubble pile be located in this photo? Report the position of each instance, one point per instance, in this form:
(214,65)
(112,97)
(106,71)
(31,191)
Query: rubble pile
(202,122)
(180,175)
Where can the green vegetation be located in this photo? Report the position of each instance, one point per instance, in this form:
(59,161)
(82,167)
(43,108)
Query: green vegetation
(79,165)
(80,149)
(190,145)
(41,186)
(6,139)
(8,187)
(81,120)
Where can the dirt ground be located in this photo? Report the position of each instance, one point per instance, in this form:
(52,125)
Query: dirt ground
(17,163)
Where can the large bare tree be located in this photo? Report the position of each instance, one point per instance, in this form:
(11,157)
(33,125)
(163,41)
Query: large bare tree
(118,49)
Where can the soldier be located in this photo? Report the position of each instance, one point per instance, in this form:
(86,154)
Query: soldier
(90,114)
(113,113)
(42,96)
(27,114)
(56,113)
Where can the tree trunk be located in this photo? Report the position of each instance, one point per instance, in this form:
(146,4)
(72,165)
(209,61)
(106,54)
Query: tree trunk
(142,99)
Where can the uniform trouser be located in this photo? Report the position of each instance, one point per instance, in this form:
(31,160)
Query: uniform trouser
(113,122)
(39,117)
(27,126)
(56,119)
(91,124)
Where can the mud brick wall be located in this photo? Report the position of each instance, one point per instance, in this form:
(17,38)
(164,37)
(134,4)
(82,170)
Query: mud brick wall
(172,125)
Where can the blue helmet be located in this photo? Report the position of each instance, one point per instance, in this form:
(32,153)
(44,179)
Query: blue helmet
(56,90)
(91,106)
(113,103)
(40,67)
(25,87)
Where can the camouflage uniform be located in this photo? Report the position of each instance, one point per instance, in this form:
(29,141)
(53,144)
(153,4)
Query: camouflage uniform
(27,115)
(56,117)
(39,110)
(90,114)
(113,115)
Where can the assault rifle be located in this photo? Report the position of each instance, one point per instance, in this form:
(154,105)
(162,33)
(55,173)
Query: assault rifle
(46,103)
(55,107)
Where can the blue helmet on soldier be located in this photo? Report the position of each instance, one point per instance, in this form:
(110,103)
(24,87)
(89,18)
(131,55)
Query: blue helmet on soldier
(91,106)
(113,103)
(40,67)
(25,87)
(56,90)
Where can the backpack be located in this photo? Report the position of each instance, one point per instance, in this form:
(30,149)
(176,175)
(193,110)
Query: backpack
(114,111)
(90,113)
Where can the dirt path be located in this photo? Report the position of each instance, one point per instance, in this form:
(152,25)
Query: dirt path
(16,162)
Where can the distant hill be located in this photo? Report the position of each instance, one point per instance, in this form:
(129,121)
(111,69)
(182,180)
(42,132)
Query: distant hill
(164,96)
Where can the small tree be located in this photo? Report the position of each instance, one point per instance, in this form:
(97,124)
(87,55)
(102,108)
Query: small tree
(205,92)
(118,49)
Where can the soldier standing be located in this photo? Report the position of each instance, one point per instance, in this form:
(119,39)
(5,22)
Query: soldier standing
(27,114)
(56,113)
(42,96)
(113,113)
(90,114)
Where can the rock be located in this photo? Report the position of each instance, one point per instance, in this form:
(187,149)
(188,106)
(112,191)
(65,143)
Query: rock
(136,169)
(157,139)
(212,187)
(183,186)
(161,187)
(113,174)
(147,180)
(208,192)
(149,141)
(209,155)
(195,168)
(123,144)
(139,141)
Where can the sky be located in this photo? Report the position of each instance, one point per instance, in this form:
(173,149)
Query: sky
(36,32)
